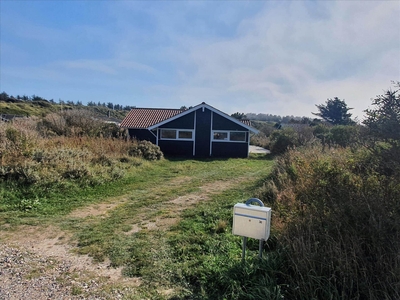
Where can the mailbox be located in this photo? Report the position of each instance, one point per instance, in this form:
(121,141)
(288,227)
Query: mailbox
(251,221)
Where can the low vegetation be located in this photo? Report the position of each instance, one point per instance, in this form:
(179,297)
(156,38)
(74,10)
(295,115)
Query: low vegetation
(337,208)
(338,215)
(65,152)
(334,191)
(29,106)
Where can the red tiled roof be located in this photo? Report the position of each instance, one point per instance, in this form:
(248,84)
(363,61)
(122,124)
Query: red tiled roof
(146,117)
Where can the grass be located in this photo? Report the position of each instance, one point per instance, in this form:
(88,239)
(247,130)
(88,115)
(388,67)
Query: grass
(30,108)
(40,108)
(182,250)
(168,225)
(338,217)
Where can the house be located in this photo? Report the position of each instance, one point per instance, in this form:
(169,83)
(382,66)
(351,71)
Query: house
(200,131)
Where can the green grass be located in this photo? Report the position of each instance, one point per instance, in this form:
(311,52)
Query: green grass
(40,108)
(28,108)
(195,257)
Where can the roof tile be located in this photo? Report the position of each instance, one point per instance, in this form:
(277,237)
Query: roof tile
(141,118)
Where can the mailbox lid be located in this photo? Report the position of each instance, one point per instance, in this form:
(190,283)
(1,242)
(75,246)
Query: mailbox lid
(251,211)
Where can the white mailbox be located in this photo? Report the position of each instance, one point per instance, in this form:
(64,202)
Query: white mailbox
(251,221)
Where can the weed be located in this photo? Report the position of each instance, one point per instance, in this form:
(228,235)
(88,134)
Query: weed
(76,290)
(339,230)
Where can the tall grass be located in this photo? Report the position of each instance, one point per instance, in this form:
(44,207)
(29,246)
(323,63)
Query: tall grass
(32,162)
(338,220)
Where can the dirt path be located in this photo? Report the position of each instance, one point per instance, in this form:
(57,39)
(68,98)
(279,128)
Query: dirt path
(53,244)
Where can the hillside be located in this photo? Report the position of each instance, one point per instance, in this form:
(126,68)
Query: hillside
(40,108)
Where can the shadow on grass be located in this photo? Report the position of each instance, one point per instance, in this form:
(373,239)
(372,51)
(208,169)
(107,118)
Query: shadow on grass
(252,279)
(252,156)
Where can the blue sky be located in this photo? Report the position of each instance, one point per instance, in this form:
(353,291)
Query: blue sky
(278,57)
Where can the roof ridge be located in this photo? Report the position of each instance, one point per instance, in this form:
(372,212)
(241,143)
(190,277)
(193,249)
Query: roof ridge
(154,108)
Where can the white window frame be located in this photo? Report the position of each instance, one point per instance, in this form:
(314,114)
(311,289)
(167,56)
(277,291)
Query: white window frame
(176,134)
(228,140)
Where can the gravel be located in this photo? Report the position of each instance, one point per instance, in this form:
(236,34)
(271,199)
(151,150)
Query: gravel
(26,275)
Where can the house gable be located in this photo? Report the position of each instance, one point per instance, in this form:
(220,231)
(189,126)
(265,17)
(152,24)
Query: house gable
(222,123)
(204,106)
(185,121)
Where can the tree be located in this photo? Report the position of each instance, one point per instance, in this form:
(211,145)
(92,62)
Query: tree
(384,120)
(238,115)
(3,96)
(335,111)
(383,123)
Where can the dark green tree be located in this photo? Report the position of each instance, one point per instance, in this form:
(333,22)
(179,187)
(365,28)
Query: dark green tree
(384,120)
(238,115)
(335,111)
(3,96)
(383,123)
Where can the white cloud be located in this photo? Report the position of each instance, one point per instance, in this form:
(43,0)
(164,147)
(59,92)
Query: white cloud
(276,57)
(286,60)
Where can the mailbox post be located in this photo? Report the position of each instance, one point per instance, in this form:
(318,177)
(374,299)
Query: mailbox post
(252,221)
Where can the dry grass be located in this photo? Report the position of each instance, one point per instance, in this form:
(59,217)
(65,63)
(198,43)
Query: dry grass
(30,155)
(339,225)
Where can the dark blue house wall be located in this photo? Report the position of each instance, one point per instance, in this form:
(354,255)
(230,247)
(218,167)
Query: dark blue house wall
(185,122)
(225,149)
(203,131)
(177,148)
(229,149)
(142,135)
(221,123)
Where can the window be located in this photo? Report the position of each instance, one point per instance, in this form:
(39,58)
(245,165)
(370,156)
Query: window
(187,135)
(168,134)
(229,136)
(221,136)
(176,134)
(238,136)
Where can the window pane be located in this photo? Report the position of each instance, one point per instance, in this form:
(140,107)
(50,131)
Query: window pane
(220,136)
(185,134)
(168,134)
(238,136)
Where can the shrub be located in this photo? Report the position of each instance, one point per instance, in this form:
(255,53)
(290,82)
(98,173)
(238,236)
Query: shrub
(73,122)
(290,137)
(345,136)
(338,135)
(260,140)
(282,140)
(323,133)
(109,130)
(145,149)
(339,225)
(54,124)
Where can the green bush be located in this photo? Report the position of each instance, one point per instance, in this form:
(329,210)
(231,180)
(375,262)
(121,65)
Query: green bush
(146,150)
(282,140)
(297,135)
(338,135)
(345,135)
